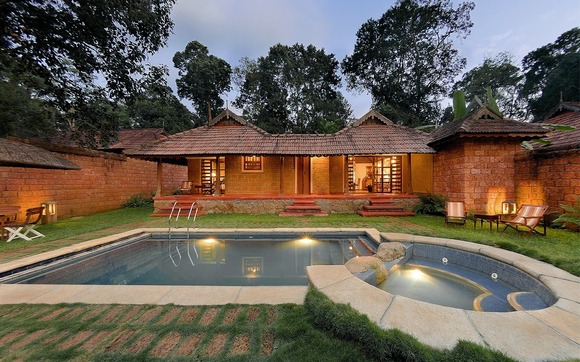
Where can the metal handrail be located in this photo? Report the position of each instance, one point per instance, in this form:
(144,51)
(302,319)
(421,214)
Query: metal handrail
(188,226)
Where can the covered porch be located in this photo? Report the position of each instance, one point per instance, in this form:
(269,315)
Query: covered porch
(232,162)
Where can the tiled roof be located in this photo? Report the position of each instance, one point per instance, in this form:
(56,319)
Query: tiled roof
(485,122)
(134,138)
(563,140)
(229,134)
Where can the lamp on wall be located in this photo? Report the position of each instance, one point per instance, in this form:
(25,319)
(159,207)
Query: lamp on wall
(509,207)
(49,214)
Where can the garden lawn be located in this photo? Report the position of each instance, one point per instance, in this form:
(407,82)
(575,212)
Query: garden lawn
(319,330)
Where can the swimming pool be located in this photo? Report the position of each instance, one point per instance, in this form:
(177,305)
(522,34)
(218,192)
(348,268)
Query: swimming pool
(229,259)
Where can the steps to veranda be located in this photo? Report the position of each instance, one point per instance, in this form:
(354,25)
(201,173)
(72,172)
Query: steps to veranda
(383,207)
(302,207)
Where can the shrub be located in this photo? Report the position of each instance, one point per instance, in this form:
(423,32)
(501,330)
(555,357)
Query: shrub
(138,200)
(430,205)
(571,218)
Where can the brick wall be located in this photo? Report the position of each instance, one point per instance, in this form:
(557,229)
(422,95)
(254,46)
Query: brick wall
(320,174)
(266,181)
(478,171)
(552,179)
(103,183)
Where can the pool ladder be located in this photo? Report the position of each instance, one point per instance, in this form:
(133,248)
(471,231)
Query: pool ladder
(176,209)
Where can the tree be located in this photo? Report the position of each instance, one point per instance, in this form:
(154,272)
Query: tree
(67,44)
(294,89)
(406,59)
(203,78)
(501,75)
(157,107)
(538,65)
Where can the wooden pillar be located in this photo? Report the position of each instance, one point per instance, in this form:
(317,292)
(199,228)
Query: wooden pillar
(345,185)
(281,175)
(159,178)
(218,186)
(410,182)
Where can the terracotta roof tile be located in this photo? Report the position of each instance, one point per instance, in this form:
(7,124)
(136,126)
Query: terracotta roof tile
(229,134)
(485,122)
(563,140)
(134,138)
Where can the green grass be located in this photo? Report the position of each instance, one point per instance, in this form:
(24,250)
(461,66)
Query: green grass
(317,331)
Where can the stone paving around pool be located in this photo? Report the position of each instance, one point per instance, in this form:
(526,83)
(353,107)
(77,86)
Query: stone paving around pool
(548,334)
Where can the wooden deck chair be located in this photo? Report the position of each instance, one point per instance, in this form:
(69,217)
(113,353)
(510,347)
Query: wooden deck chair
(186,187)
(22,230)
(455,212)
(528,216)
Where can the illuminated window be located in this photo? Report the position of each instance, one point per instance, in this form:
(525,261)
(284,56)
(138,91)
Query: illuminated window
(252,163)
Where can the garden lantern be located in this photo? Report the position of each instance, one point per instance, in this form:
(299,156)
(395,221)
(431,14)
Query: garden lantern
(49,214)
(509,207)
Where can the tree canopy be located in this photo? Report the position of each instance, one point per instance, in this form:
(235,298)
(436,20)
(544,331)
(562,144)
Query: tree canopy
(406,59)
(545,72)
(56,50)
(156,106)
(503,76)
(202,78)
(294,89)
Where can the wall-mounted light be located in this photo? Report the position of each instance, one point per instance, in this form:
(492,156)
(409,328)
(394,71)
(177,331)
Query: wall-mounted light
(49,215)
(509,207)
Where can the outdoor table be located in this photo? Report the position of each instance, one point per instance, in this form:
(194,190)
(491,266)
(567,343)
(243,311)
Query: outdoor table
(6,213)
(489,217)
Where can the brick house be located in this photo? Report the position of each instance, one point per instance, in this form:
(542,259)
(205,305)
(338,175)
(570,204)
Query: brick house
(550,174)
(476,159)
(373,156)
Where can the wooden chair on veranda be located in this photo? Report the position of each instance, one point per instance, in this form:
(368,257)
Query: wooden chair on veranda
(186,187)
(23,230)
(455,212)
(529,217)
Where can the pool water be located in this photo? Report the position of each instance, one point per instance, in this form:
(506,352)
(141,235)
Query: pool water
(238,261)
(433,286)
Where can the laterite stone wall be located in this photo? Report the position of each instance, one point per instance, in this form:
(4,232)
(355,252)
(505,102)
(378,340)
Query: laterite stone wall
(104,182)
(478,171)
(548,179)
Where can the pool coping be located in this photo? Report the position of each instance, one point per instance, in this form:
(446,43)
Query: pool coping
(547,334)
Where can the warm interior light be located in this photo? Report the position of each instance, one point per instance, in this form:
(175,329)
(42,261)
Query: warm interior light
(209,241)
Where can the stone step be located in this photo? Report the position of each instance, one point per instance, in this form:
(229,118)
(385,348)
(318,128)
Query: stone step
(385,213)
(285,213)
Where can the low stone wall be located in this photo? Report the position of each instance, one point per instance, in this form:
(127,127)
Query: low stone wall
(232,205)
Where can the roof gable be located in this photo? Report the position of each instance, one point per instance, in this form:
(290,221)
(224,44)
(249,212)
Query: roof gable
(372,117)
(485,122)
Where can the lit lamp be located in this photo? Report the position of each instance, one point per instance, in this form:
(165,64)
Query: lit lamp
(49,215)
(508,207)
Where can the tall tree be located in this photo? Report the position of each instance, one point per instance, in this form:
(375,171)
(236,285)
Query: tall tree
(503,77)
(294,89)
(203,78)
(406,59)
(157,107)
(538,66)
(67,44)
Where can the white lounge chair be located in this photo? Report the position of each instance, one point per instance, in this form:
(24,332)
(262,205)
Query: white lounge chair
(22,230)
